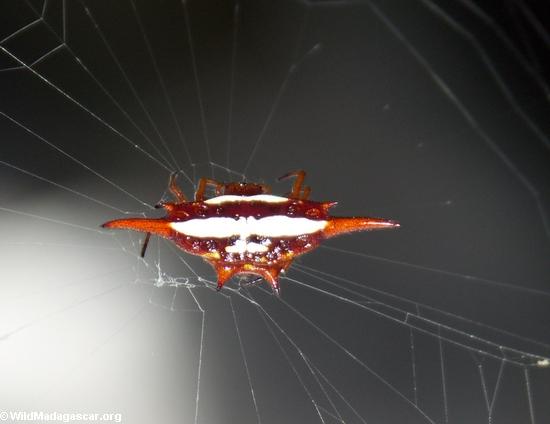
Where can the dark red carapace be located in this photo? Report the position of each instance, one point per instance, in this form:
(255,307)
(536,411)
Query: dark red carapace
(246,230)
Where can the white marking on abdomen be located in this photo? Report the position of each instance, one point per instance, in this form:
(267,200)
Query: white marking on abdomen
(267,198)
(270,226)
(241,246)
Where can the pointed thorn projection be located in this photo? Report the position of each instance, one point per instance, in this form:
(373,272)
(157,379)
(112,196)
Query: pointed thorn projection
(224,274)
(337,225)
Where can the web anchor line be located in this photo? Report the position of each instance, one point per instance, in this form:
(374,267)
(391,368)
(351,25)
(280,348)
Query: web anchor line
(422,324)
(162,83)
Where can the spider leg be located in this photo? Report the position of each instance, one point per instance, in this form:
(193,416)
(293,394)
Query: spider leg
(175,190)
(203,183)
(297,186)
(272,277)
(253,282)
(145,243)
(265,188)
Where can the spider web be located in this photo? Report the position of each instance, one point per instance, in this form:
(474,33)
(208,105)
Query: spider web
(433,115)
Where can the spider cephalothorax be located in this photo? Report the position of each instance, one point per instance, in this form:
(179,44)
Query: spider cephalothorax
(246,230)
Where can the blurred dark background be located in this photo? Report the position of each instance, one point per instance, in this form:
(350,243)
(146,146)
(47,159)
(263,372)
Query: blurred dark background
(433,113)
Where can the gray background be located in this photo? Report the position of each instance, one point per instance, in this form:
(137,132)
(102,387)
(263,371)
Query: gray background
(431,113)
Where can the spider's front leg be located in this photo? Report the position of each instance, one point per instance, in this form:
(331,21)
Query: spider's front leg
(297,186)
(175,190)
(203,183)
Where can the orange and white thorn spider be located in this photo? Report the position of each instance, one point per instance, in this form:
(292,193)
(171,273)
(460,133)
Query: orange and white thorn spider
(245,229)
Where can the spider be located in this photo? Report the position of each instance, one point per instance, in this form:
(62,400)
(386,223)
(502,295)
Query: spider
(245,229)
